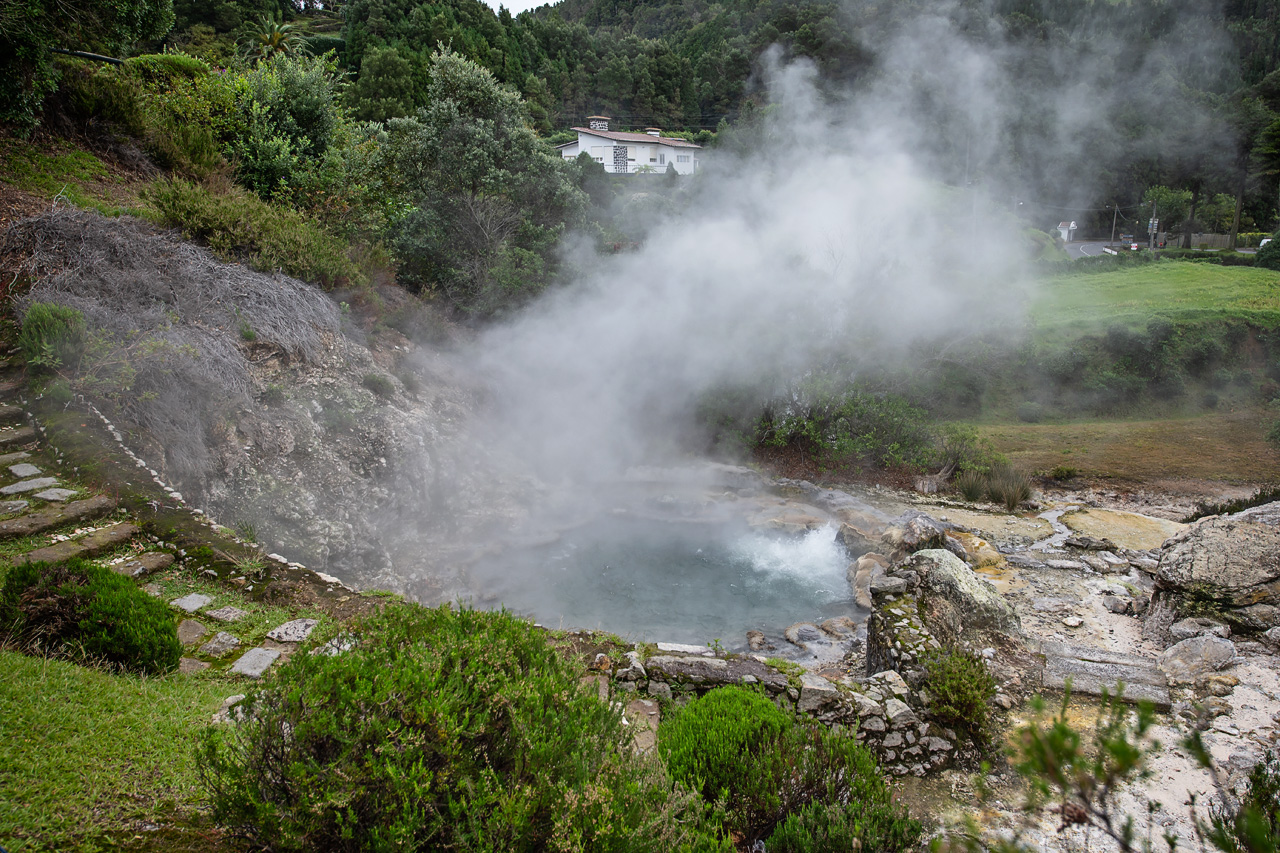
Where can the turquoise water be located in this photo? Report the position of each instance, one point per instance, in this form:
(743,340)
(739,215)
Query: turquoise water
(688,583)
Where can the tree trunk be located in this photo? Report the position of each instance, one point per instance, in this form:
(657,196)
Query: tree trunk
(1235,219)
(1191,216)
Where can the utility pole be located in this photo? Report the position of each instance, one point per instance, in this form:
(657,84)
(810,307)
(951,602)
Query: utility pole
(1115,211)
(1151,232)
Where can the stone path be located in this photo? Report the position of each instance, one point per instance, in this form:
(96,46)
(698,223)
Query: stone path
(45,505)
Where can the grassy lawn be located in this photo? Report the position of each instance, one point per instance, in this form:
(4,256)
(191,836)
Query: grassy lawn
(87,753)
(1072,305)
(1225,446)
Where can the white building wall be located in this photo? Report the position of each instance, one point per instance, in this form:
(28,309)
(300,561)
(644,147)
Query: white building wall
(656,155)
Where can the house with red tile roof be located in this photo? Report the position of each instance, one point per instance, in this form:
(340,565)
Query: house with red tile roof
(624,153)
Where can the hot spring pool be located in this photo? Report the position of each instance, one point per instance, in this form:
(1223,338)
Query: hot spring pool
(688,583)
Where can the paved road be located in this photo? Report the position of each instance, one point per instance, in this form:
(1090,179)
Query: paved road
(1085,249)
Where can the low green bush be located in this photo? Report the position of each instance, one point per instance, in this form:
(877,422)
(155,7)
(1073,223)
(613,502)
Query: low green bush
(52,336)
(84,610)
(164,67)
(961,689)
(1268,256)
(238,225)
(972,485)
(379,384)
(781,778)
(1008,487)
(1030,412)
(442,730)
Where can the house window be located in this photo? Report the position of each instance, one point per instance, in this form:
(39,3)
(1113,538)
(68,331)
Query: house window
(662,158)
(682,158)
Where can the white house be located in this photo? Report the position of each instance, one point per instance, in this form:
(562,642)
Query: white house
(630,153)
(1067,230)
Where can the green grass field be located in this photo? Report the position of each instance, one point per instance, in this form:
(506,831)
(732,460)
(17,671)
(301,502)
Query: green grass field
(1068,306)
(88,753)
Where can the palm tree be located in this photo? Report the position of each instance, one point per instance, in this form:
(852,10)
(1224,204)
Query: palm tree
(272,37)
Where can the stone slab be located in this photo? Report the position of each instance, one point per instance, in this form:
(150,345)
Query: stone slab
(90,545)
(685,649)
(187,666)
(1091,678)
(644,716)
(55,495)
(21,435)
(145,564)
(226,614)
(815,692)
(190,631)
(15,456)
(222,643)
(713,671)
(10,414)
(24,470)
(29,486)
(53,516)
(255,662)
(293,632)
(191,603)
(7,507)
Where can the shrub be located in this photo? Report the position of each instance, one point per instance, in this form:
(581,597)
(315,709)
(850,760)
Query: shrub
(78,608)
(972,485)
(52,336)
(441,730)
(1268,256)
(1009,487)
(1256,824)
(1063,472)
(379,384)
(961,689)
(1030,412)
(735,744)
(709,742)
(239,226)
(163,67)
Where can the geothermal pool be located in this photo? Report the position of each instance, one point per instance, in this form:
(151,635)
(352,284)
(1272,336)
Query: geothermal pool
(671,581)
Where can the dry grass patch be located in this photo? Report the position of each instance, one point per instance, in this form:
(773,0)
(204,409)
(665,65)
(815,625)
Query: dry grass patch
(1227,446)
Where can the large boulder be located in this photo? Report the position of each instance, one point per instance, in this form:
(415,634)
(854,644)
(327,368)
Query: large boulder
(1233,560)
(958,604)
(915,531)
(1196,657)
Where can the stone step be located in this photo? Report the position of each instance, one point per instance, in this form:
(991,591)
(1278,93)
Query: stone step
(17,436)
(255,662)
(53,516)
(144,564)
(10,385)
(87,546)
(11,414)
(1090,671)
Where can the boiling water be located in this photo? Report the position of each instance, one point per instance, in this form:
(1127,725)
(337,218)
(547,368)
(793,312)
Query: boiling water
(669,581)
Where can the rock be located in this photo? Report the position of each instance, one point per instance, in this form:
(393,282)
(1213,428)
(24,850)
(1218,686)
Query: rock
(1256,617)
(191,603)
(915,531)
(1065,565)
(899,714)
(1089,543)
(1234,559)
(1185,629)
(872,724)
(756,641)
(633,671)
(294,632)
(712,672)
(960,602)
(839,627)
(56,495)
(643,716)
(1219,684)
(1073,621)
(815,693)
(890,682)
(887,585)
(892,739)
(1272,637)
(865,706)
(52,516)
(187,666)
(190,631)
(144,564)
(1114,563)
(221,644)
(255,662)
(87,546)
(29,486)
(23,470)
(802,633)
(1116,604)
(226,614)
(1190,659)
(7,507)
(659,689)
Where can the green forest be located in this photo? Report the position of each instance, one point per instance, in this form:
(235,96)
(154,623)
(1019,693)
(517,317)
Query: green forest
(417,134)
